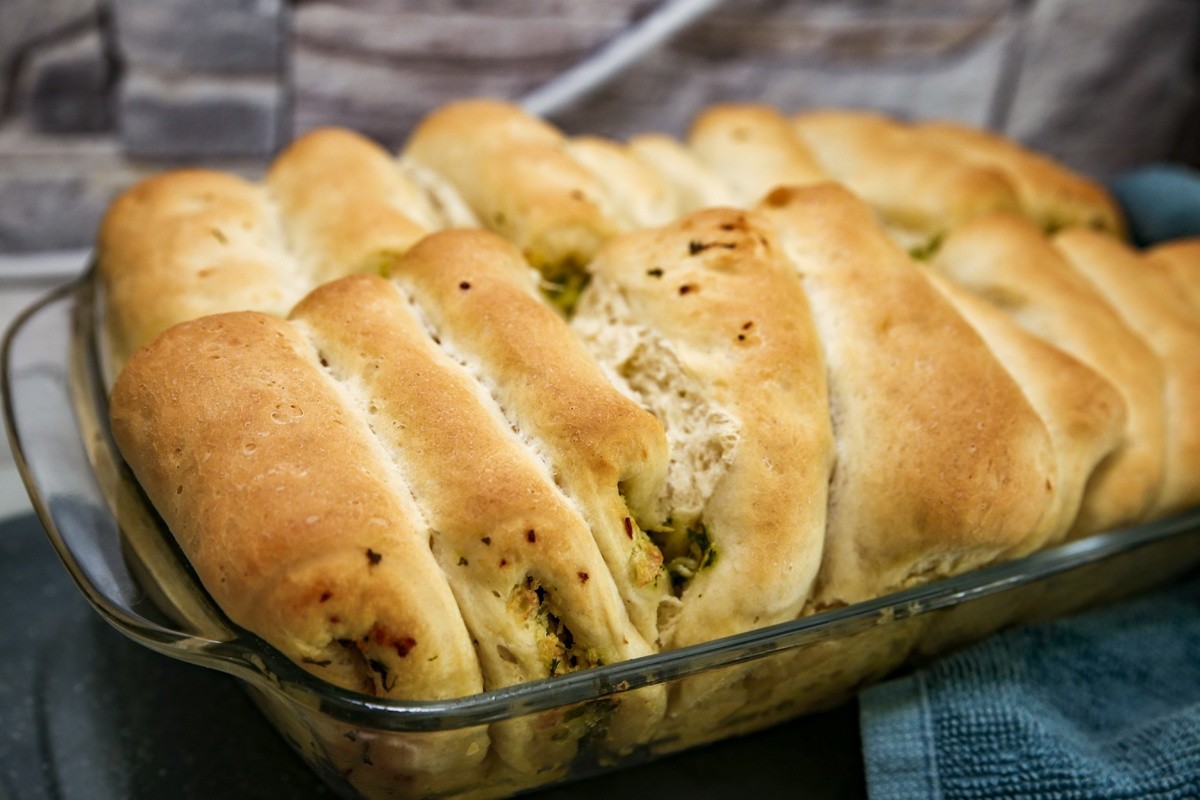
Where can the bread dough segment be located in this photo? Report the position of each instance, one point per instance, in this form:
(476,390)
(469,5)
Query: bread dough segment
(942,464)
(1180,260)
(1008,261)
(753,150)
(919,190)
(1083,413)
(609,456)
(1147,301)
(292,515)
(345,205)
(1050,194)
(695,185)
(515,173)
(532,586)
(186,244)
(714,287)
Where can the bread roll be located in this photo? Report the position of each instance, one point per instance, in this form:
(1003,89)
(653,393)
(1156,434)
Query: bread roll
(1148,302)
(1009,262)
(640,196)
(694,184)
(919,189)
(1084,414)
(515,173)
(942,464)
(1181,261)
(610,457)
(1050,194)
(345,206)
(709,328)
(752,149)
(186,244)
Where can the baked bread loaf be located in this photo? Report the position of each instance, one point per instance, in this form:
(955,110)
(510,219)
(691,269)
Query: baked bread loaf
(659,400)
(1009,262)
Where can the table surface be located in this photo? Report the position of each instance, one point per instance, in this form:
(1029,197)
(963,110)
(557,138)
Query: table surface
(86,714)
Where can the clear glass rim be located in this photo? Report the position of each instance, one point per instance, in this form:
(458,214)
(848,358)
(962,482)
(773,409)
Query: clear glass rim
(250,658)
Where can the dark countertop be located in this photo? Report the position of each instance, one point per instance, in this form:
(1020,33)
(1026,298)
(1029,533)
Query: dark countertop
(86,714)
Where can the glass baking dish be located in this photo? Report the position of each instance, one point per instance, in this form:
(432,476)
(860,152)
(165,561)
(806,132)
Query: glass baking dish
(128,567)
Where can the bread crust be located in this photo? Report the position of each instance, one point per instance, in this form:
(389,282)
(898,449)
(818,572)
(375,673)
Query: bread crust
(714,285)
(345,205)
(1180,260)
(639,195)
(1052,195)
(185,244)
(752,149)
(1147,301)
(1084,414)
(609,455)
(1008,261)
(955,475)
(287,507)
(517,176)
(919,189)
(694,184)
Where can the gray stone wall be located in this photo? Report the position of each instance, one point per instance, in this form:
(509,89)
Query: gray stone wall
(97,93)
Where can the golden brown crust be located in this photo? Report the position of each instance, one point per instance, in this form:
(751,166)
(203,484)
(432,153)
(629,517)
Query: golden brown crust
(515,173)
(345,205)
(1148,302)
(479,297)
(951,477)
(188,243)
(1083,413)
(1180,260)
(919,189)
(287,507)
(714,285)
(1009,262)
(753,149)
(695,185)
(639,195)
(1052,195)
(516,552)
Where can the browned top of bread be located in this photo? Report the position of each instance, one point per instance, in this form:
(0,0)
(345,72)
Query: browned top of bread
(1180,260)
(1051,194)
(942,464)
(185,244)
(919,189)
(752,148)
(289,508)
(515,173)
(708,306)
(1147,301)
(345,206)
(1010,262)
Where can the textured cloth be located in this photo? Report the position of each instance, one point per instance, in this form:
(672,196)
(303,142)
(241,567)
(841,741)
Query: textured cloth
(1160,201)
(1102,705)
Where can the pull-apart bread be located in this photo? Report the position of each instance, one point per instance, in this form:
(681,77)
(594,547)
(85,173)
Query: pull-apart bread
(1011,264)
(514,404)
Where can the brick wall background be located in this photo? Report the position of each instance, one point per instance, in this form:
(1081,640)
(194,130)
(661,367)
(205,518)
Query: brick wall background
(96,93)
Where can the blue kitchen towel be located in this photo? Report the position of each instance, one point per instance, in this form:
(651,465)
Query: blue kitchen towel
(1161,201)
(1101,705)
